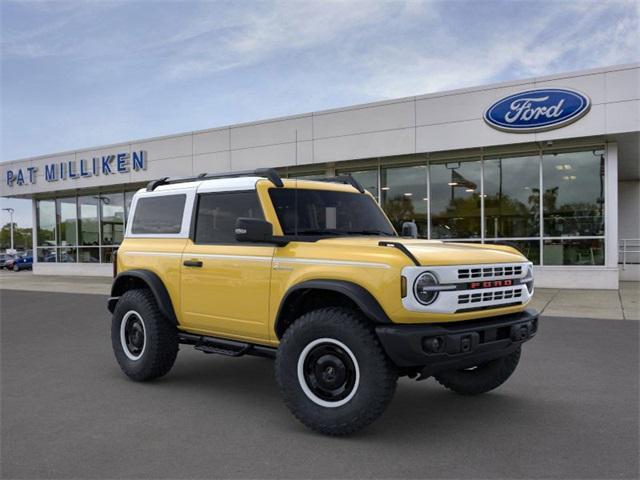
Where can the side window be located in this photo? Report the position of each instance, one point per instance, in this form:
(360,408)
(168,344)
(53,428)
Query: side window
(218,212)
(158,215)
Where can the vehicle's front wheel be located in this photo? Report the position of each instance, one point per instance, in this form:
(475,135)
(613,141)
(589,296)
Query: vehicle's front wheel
(16,268)
(481,378)
(332,372)
(144,342)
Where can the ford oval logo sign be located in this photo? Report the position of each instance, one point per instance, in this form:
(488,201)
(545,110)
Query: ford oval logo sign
(537,110)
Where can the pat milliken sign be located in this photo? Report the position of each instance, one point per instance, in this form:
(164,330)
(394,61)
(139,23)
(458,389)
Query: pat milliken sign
(115,164)
(537,110)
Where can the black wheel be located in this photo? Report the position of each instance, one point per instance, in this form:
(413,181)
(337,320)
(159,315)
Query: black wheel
(144,342)
(482,378)
(16,268)
(332,372)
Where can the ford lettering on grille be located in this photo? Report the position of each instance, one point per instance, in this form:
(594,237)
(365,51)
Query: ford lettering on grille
(491,284)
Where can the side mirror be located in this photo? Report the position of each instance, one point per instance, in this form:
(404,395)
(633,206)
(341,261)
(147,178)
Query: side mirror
(254,230)
(410,230)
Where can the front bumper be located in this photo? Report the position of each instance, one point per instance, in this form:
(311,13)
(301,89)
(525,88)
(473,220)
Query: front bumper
(438,347)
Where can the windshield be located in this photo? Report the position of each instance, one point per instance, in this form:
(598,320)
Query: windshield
(330,213)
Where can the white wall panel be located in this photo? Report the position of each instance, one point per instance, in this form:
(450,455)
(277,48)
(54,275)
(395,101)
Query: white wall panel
(362,120)
(592,85)
(623,85)
(469,134)
(623,116)
(380,144)
(167,167)
(271,133)
(261,157)
(212,141)
(177,146)
(593,123)
(216,162)
(461,107)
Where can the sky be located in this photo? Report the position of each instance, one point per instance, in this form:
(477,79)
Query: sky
(87,73)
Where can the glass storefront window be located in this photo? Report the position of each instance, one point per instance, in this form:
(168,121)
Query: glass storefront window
(367,178)
(512,197)
(573,198)
(89,255)
(455,199)
(574,251)
(405,196)
(66,255)
(46,220)
(88,221)
(67,221)
(46,255)
(107,254)
(88,228)
(112,218)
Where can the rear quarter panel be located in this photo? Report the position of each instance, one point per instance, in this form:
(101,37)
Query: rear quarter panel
(162,256)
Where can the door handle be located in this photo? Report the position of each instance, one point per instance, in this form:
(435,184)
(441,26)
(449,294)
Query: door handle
(192,263)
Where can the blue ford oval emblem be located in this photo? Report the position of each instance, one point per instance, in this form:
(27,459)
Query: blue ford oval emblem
(536,110)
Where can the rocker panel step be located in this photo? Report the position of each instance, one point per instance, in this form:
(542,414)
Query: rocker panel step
(224,346)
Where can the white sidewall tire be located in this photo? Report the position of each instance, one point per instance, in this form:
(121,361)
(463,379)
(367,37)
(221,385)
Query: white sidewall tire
(123,341)
(303,383)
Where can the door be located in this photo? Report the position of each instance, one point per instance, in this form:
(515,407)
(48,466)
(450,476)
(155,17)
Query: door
(225,283)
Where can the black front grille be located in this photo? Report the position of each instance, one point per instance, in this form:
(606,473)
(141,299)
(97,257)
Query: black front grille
(489,272)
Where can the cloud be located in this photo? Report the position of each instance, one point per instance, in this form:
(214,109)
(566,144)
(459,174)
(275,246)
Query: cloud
(101,72)
(561,38)
(261,33)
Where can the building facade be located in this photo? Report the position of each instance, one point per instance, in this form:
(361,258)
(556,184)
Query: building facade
(549,165)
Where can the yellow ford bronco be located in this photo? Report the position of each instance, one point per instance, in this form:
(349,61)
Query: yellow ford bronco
(312,274)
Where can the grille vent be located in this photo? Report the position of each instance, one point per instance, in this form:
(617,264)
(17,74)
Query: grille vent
(489,272)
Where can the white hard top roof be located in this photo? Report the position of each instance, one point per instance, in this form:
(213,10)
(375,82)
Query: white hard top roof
(213,185)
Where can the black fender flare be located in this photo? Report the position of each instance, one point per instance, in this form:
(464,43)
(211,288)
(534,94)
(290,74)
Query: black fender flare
(363,299)
(153,282)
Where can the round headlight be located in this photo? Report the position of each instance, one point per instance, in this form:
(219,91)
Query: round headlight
(423,288)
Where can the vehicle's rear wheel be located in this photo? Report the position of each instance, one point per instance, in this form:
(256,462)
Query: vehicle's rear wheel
(332,372)
(16,268)
(144,342)
(481,378)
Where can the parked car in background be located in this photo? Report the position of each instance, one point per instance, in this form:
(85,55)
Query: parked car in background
(4,258)
(21,262)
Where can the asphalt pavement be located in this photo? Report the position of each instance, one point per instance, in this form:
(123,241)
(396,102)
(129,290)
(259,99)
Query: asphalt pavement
(570,410)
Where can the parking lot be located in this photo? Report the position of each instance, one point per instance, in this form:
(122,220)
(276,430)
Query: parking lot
(570,410)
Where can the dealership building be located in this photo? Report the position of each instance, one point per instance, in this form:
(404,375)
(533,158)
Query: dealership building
(549,165)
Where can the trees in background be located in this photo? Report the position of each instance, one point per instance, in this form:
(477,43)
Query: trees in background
(22,237)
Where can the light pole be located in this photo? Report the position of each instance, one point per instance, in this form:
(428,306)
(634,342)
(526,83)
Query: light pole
(10,210)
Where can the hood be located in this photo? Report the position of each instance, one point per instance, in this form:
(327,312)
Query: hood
(436,252)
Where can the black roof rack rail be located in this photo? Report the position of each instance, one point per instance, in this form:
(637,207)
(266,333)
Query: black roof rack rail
(268,173)
(345,179)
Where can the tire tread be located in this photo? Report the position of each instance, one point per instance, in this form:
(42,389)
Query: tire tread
(162,338)
(361,329)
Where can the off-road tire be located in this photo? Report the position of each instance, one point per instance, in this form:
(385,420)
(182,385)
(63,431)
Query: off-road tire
(377,375)
(161,338)
(482,378)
